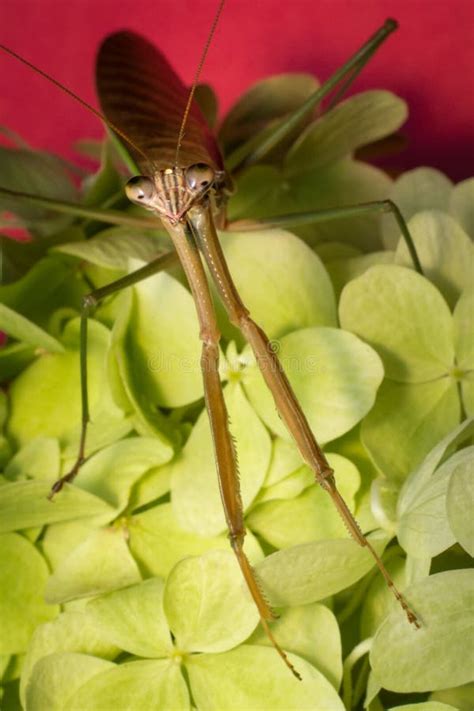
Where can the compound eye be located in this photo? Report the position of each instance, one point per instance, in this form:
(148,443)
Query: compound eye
(140,189)
(199,176)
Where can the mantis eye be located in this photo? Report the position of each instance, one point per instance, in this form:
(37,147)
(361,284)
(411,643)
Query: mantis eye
(140,189)
(199,176)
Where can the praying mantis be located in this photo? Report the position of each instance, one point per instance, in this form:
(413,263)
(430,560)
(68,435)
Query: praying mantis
(183,181)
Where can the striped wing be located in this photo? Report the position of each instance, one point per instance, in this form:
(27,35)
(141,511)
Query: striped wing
(142,95)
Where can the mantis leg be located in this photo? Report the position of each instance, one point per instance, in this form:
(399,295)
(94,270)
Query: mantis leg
(298,219)
(247,154)
(224,450)
(89,302)
(111,217)
(285,400)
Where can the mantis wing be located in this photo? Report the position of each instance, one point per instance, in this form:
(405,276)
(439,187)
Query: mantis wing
(141,93)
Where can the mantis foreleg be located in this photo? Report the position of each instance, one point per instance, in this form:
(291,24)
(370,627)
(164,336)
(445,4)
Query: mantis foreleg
(285,400)
(224,450)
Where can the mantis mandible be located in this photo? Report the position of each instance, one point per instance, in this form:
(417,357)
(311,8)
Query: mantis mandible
(184,183)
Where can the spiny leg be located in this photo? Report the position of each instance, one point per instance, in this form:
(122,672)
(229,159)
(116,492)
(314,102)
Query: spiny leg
(89,302)
(298,219)
(224,451)
(279,385)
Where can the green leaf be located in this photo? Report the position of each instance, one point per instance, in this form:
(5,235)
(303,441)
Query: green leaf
(407,421)
(378,599)
(3,409)
(111,473)
(252,677)
(272,98)
(296,629)
(256,185)
(467,394)
(38,459)
(195,492)
(265,191)
(38,173)
(424,706)
(398,656)
(126,381)
(461,205)
(18,257)
(344,270)
(404,318)
(285,460)
(464,345)
(105,182)
(346,182)
(60,539)
(207,605)
(355,122)
(114,247)
(158,543)
(311,516)
(104,431)
(334,375)
(46,399)
(133,619)
(5,452)
(288,488)
(414,191)
(70,632)
(420,478)
(445,251)
(19,327)
(25,503)
(461,697)
(161,344)
(101,563)
(463,326)
(281,281)
(23,574)
(313,571)
(152,486)
(330,251)
(137,685)
(56,677)
(29,297)
(13,358)
(424,530)
(383,501)
(460,503)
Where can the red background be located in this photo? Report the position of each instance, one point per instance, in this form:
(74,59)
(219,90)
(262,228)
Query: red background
(429,61)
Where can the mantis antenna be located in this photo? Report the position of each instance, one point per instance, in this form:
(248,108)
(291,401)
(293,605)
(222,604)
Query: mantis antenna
(192,91)
(83,103)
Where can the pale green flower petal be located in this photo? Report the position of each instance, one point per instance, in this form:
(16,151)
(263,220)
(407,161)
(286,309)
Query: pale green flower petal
(152,685)
(252,677)
(56,677)
(400,652)
(23,574)
(414,191)
(445,251)
(405,318)
(133,619)
(207,604)
(334,375)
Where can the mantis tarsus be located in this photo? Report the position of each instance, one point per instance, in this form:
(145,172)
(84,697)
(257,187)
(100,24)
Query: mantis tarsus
(184,183)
